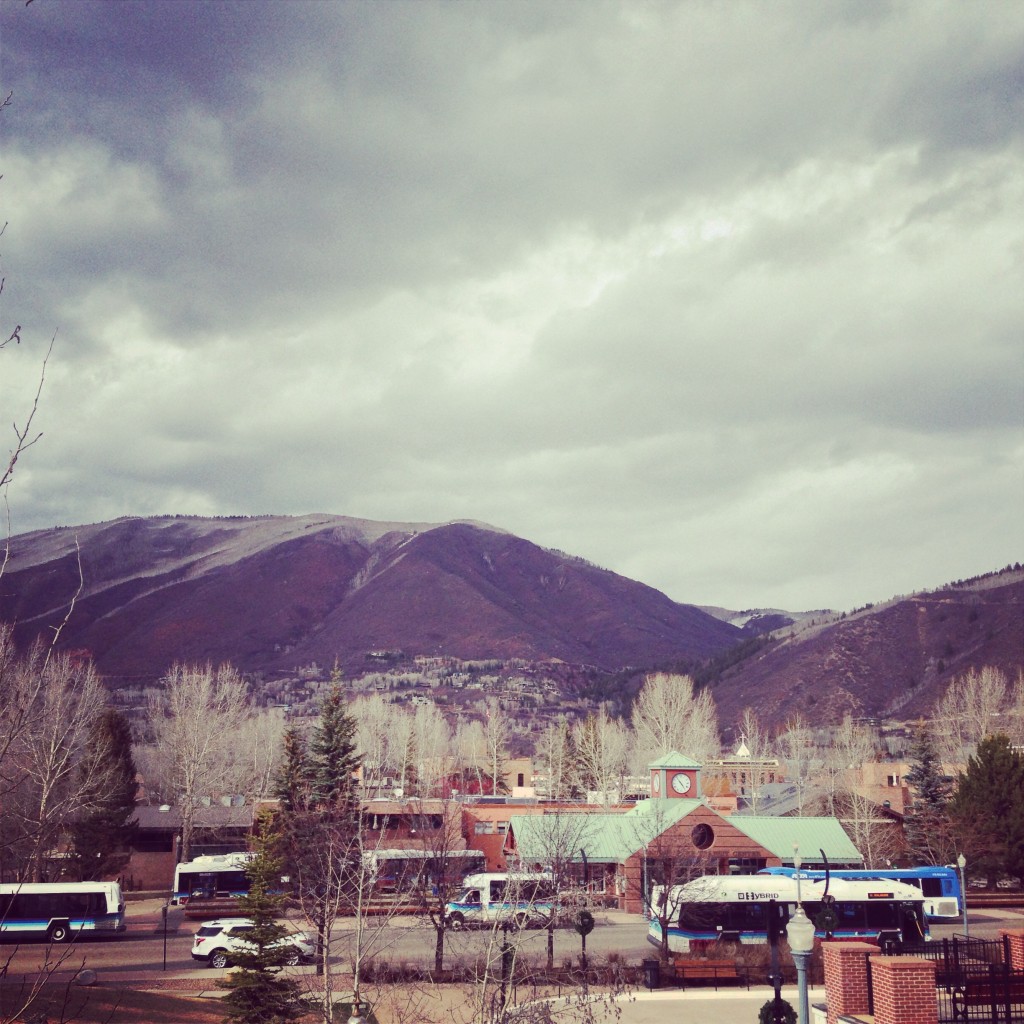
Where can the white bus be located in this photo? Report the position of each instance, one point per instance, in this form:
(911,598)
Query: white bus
(520,898)
(222,876)
(57,911)
(736,908)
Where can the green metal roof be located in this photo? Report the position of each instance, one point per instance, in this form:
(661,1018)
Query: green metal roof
(611,837)
(608,837)
(674,760)
(811,834)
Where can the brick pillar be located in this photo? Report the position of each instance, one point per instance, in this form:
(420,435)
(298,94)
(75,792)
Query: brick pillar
(904,990)
(846,977)
(1016,942)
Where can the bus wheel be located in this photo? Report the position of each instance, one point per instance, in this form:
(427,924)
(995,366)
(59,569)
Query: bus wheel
(521,920)
(60,932)
(456,922)
(219,958)
(293,959)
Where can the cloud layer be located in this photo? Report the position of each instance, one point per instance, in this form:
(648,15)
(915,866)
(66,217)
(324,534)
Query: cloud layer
(722,296)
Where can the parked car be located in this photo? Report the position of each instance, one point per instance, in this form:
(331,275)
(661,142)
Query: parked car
(217,940)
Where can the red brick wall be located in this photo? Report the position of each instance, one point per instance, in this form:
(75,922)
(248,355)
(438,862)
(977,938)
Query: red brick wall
(904,990)
(846,977)
(1016,939)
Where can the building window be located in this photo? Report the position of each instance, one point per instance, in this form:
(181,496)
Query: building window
(702,836)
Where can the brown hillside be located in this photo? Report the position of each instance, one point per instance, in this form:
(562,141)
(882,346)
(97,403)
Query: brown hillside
(888,662)
(273,593)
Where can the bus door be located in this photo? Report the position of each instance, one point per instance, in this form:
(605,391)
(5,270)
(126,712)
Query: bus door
(912,928)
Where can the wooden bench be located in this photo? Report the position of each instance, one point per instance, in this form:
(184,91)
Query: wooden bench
(686,971)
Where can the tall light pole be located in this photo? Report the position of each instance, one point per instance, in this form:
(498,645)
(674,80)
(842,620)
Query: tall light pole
(961,863)
(800,933)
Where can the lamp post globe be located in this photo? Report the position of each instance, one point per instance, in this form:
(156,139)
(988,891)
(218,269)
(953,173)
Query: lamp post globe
(961,863)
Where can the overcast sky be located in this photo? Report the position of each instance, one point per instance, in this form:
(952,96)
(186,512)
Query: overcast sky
(726,297)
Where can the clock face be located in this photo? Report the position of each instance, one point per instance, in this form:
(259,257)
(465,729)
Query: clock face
(656,782)
(681,783)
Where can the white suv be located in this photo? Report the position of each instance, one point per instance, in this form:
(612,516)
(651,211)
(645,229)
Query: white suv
(217,940)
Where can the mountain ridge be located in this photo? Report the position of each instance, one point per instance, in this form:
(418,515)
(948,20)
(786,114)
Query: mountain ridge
(330,588)
(275,594)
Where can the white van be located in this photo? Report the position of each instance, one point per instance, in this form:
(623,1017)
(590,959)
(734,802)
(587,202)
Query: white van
(523,899)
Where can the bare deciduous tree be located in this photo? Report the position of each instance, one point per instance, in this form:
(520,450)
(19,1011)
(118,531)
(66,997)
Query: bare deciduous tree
(556,841)
(433,743)
(51,704)
(555,759)
(602,746)
(195,719)
(758,748)
(796,746)
(373,722)
(471,750)
(497,730)
(970,709)
(668,715)
(847,798)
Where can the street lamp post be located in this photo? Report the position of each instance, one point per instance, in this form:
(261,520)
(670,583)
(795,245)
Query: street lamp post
(800,933)
(961,863)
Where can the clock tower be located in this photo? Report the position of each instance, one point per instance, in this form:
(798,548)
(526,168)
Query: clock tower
(674,777)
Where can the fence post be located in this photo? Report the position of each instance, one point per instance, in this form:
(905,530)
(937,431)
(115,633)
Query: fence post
(904,990)
(846,977)
(1013,940)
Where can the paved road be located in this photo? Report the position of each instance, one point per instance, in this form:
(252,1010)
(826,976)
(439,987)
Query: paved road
(142,950)
(408,939)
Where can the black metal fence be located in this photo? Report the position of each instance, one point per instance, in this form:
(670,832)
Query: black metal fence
(973,980)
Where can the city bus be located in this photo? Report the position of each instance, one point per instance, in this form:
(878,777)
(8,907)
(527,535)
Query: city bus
(943,899)
(406,872)
(58,911)
(719,908)
(212,877)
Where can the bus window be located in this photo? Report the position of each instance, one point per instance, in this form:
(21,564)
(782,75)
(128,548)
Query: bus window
(882,915)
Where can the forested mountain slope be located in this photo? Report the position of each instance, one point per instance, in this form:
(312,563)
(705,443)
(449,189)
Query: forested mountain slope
(890,661)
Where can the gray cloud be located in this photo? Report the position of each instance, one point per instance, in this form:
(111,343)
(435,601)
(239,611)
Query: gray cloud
(724,297)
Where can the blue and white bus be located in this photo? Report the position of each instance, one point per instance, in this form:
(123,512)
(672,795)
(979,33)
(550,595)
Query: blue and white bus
(940,886)
(735,908)
(211,877)
(523,899)
(58,911)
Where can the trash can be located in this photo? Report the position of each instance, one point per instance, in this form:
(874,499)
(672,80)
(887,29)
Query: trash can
(652,973)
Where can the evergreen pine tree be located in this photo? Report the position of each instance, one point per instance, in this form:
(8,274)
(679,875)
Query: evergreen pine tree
(988,808)
(293,783)
(320,817)
(103,834)
(927,824)
(332,754)
(258,993)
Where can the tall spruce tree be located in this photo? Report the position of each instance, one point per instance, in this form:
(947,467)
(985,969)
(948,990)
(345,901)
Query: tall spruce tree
(101,837)
(333,760)
(258,992)
(320,817)
(293,784)
(988,808)
(927,825)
